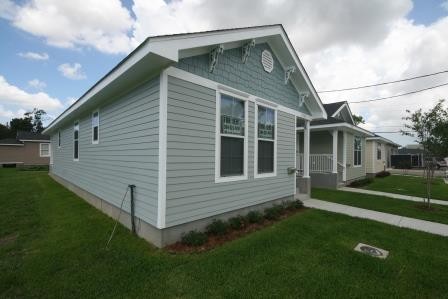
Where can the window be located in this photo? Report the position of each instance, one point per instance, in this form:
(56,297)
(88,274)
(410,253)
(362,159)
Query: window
(95,127)
(231,138)
(76,141)
(44,150)
(265,147)
(378,151)
(59,138)
(357,151)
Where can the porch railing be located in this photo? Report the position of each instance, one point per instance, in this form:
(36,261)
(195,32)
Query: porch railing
(322,163)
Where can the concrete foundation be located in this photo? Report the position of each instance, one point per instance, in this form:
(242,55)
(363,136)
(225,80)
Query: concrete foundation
(170,235)
(303,188)
(324,180)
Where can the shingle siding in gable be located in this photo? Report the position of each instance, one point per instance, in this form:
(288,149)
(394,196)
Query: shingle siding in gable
(127,152)
(249,77)
(191,189)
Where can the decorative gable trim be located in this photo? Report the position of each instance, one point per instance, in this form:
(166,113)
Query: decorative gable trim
(345,105)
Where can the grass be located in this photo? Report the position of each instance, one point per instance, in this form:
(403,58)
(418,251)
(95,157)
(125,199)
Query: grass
(52,245)
(400,207)
(409,185)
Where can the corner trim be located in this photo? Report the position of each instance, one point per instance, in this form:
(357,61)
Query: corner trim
(161,197)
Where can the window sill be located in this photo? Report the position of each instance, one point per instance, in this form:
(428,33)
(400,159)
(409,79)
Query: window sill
(357,166)
(230,179)
(265,175)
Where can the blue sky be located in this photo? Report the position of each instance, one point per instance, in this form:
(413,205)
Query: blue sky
(94,61)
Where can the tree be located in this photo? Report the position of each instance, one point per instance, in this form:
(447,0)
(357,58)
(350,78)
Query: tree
(30,122)
(431,131)
(5,132)
(358,119)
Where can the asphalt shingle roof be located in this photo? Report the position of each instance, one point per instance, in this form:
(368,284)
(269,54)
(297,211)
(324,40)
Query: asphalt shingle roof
(22,135)
(10,141)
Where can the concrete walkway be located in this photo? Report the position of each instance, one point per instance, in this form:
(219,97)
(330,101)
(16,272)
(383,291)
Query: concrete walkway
(400,221)
(393,195)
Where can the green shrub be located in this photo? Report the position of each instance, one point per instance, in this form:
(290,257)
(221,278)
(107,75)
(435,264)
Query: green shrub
(361,182)
(254,217)
(194,238)
(237,222)
(217,228)
(294,205)
(382,174)
(274,212)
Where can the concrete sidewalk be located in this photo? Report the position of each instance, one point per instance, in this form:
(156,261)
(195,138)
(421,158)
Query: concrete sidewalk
(400,221)
(393,195)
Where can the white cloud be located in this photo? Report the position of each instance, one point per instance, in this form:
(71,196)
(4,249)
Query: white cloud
(102,24)
(15,96)
(72,71)
(37,84)
(70,100)
(7,9)
(34,55)
(313,25)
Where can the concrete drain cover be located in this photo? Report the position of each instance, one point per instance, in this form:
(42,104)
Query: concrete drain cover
(372,251)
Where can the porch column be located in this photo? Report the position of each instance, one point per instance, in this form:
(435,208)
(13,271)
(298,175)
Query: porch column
(335,151)
(306,150)
(344,155)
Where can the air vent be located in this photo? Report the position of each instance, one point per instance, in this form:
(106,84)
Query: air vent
(267,61)
(372,250)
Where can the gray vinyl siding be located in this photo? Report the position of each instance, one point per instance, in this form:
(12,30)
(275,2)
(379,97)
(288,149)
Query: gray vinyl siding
(249,77)
(127,152)
(360,171)
(191,189)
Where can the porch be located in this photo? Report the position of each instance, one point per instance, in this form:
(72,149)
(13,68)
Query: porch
(324,159)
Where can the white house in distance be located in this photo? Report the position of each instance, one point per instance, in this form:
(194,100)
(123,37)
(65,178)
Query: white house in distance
(378,152)
(202,124)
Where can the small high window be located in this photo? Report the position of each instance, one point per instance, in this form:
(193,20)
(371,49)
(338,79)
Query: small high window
(76,141)
(95,127)
(357,147)
(378,151)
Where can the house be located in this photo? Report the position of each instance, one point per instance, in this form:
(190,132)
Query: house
(336,148)
(378,154)
(409,156)
(27,149)
(202,124)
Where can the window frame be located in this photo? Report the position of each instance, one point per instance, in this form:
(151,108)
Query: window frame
(379,150)
(256,139)
(93,127)
(355,150)
(40,150)
(75,127)
(218,135)
(59,138)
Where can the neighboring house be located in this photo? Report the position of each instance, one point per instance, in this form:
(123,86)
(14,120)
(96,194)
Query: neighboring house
(203,124)
(412,155)
(27,149)
(378,154)
(337,148)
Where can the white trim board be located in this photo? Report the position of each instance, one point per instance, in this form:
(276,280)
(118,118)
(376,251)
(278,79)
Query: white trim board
(163,115)
(345,105)
(186,76)
(338,125)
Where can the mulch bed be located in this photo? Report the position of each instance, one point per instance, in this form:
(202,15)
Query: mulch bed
(215,241)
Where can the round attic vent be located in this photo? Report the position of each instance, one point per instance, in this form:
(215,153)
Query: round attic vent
(267,61)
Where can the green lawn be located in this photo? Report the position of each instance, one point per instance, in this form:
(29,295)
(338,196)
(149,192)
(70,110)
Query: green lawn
(383,204)
(409,185)
(59,252)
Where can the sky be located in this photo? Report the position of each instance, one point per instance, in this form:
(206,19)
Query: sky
(53,51)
